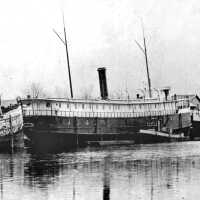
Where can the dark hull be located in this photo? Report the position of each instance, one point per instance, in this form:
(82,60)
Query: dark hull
(50,132)
(9,142)
(195,134)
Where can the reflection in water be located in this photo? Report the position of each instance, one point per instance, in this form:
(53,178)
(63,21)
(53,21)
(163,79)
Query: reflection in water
(42,170)
(157,171)
(106,179)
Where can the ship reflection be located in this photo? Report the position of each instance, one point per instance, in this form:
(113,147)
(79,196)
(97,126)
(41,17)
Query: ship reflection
(85,175)
(42,170)
(95,174)
(106,179)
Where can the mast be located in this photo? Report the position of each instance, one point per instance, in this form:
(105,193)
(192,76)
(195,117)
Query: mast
(144,51)
(69,71)
(67,55)
(147,64)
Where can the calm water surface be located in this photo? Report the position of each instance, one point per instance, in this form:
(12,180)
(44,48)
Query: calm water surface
(156,171)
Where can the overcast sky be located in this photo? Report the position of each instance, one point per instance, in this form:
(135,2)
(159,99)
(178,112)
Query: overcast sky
(100,33)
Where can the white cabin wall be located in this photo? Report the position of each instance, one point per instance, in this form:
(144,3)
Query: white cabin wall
(102,107)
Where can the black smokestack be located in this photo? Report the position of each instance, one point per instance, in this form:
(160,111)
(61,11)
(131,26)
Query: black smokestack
(103,82)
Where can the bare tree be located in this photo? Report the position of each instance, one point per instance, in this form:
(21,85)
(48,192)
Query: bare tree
(35,90)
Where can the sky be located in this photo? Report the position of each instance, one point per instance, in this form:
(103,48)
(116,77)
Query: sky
(100,33)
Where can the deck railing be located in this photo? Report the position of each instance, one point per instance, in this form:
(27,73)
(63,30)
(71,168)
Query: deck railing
(197,112)
(60,113)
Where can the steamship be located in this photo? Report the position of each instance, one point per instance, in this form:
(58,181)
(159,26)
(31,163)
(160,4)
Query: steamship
(70,122)
(66,123)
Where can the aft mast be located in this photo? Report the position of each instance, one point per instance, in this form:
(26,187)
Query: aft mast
(144,50)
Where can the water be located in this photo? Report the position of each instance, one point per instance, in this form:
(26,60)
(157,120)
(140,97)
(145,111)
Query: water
(154,171)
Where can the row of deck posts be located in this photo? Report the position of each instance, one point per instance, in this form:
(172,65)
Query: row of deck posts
(96,114)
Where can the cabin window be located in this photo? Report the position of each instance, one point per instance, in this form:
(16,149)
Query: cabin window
(83,105)
(103,106)
(90,106)
(97,106)
(60,105)
(48,104)
(118,107)
(67,105)
(110,107)
(28,104)
(75,105)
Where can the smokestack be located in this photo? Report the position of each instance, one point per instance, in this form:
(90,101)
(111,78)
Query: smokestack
(166,92)
(103,82)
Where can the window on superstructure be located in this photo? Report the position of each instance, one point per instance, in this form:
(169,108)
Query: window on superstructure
(83,105)
(103,106)
(75,105)
(118,107)
(97,106)
(60,105)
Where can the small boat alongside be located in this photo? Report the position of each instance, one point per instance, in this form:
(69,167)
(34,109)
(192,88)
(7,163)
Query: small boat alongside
(157,136)
(11,125)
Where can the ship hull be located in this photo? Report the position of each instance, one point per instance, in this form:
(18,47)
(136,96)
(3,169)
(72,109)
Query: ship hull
(11,128)
(9,142)
(195,134)
(51,132)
